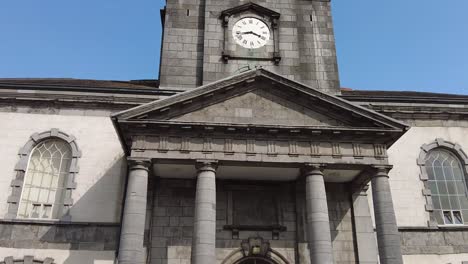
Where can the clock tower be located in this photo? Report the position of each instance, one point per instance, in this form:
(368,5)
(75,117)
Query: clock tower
(208,40)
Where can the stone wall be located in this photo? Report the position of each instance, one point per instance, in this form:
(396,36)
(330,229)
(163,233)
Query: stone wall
(341,223)
(406,185)
(254,208)
(64,243)
(194,40)
(172,221)
(434,241)
(182,47)
(95,237)
(99,181)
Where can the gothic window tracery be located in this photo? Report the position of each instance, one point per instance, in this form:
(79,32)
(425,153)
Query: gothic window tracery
(45,177)
(444,167)
(448,187)
(43,189)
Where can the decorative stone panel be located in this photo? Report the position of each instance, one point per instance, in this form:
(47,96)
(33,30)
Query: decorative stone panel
(21,167)
(425,149)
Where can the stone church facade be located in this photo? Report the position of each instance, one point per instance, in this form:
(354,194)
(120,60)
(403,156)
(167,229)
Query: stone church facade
(244,151)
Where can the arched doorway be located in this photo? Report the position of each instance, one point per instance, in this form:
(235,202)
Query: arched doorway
(254,260)
(255,251)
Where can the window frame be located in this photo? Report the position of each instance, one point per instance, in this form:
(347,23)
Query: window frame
(458,152)
(21,168)
(54,216)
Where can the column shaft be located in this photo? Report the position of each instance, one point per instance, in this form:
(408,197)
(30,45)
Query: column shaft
(388,238)
(131,250)
(204,230)
(318,223)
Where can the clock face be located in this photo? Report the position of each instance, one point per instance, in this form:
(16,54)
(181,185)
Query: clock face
(251,33)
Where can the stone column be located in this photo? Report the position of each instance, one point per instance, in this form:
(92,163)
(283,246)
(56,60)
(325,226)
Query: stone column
(388,238)
(318,223)
(131,249)
(204,229)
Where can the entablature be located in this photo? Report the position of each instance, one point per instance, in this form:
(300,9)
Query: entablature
(254,149)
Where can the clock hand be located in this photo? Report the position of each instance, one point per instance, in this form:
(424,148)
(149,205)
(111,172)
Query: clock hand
(256,34)
(248,32)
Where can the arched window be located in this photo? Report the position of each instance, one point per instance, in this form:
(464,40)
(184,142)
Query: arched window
(45,177)
(44,182)
(447,181)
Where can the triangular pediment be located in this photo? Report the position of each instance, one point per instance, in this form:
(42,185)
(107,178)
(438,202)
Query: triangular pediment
(259,107)
(252,7)
(260,98)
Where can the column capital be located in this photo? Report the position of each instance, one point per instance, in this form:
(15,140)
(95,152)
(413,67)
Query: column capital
(138,163)
(312,169)
(206,165)
(381,170)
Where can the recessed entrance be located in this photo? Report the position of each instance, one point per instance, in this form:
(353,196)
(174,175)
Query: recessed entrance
(255,260)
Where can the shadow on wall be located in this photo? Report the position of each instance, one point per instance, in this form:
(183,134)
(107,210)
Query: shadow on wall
(341,222)
(91,241)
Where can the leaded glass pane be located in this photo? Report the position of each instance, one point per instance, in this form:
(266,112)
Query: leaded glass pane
(436,202)
(448,217)
(451,188)
(433,187)
(461,190)
(457,217)
(465,216)
(454,204)
(439,173)
(444,200)
(448,171)
(448,186)
(464,202)
(47,171)
(442,186)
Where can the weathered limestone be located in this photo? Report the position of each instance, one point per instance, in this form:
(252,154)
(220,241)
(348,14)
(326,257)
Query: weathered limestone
(318,223)
(131,249)
(204,230)
(388,238)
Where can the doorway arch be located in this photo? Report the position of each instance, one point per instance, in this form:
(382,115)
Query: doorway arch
(255,251)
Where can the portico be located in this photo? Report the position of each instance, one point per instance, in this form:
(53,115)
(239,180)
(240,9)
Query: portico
(256,137)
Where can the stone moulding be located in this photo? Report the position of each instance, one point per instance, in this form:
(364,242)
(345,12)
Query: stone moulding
(21,167)
(425,149)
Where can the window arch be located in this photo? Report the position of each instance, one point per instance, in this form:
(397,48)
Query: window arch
(45,176)
(444,167)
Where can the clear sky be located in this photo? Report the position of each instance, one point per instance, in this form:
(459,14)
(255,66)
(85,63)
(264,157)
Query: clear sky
(419,45)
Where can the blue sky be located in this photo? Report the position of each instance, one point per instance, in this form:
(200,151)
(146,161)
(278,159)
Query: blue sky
(419,45)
